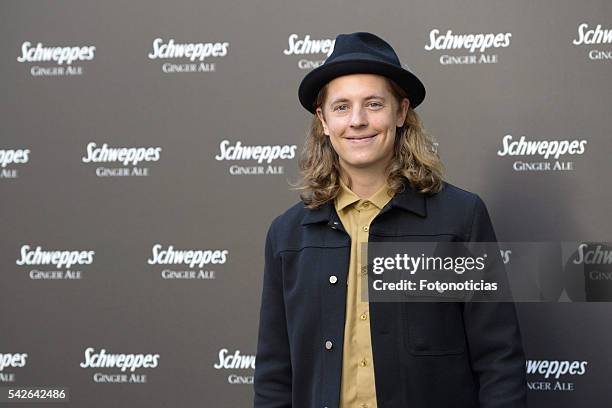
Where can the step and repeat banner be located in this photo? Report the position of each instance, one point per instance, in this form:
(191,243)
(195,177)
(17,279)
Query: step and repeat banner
(146,146)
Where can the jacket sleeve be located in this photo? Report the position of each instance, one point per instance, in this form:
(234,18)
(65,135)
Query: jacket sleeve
(494,338)
(272,379)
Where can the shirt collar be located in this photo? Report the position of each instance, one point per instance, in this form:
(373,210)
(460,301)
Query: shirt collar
(347,197)
(381,197)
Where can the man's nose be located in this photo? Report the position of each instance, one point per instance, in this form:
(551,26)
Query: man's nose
(359,117)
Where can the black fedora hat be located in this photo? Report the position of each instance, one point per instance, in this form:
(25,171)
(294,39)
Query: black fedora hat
(360,52)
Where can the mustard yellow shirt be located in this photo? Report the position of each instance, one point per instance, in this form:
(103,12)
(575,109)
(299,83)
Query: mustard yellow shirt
(358,388)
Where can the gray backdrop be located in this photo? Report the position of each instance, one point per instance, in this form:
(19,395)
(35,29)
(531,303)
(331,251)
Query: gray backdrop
(545,77)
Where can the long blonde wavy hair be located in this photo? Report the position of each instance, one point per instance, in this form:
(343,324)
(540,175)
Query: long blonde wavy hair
(415,158)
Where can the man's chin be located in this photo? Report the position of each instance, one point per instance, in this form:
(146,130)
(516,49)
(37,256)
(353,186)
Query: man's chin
(362,164)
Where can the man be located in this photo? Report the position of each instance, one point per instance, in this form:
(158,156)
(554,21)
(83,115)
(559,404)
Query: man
(370,174)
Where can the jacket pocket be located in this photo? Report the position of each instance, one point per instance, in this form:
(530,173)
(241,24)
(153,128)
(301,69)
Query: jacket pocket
(433,329)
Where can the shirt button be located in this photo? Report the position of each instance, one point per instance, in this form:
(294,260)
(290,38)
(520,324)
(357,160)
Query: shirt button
(363,362)
(329,345)
(366,205)
(333,279)
(364,270)
(364,316)
(364,405)
(366,228)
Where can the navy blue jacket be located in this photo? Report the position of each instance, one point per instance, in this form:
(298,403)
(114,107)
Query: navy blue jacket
(438,355)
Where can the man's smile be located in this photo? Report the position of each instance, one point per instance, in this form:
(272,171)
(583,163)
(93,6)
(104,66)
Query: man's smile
(361,139)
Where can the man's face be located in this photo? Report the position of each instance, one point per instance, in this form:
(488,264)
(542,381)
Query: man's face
(360,115)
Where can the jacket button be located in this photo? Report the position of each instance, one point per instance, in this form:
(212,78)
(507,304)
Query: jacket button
(329,345)
(333,279)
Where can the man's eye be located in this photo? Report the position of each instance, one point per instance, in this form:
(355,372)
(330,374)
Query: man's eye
(340,107)
(376,104)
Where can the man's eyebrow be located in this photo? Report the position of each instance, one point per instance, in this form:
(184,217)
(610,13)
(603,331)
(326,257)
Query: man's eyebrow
(366,98)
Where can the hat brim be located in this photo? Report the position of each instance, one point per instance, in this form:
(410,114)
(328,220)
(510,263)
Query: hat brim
(353,64)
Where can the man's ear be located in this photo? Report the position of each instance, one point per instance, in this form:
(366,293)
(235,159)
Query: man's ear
(322,119)
(402,111)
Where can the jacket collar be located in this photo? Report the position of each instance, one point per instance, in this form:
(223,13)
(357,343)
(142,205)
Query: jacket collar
(409,200)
